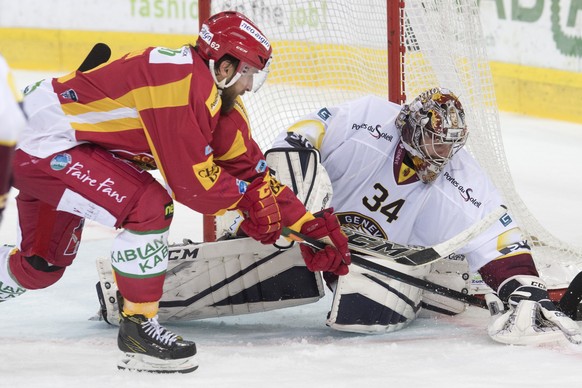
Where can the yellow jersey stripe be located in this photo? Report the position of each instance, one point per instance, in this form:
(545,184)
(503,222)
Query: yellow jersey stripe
(147,97)
(237,148)
(163,96)
(117,125)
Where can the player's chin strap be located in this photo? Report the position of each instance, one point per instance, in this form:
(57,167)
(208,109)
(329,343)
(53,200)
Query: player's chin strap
(222,84)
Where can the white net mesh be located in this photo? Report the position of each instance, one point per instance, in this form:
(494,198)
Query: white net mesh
(330,51)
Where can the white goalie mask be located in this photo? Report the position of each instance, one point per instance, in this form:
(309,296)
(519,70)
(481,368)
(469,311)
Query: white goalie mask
(433,129)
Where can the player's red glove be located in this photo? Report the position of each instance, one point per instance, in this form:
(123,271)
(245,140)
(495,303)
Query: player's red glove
(261,211)
(334,258)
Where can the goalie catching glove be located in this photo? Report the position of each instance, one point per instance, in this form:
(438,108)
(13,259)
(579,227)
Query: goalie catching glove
(334,258)
(531,318)
(261,212)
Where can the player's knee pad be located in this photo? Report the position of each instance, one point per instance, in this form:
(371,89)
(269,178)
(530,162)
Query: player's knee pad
(33,272)
(365,302)
(140,261)
(48,247)
(46,233)
(153,210)
(139,254)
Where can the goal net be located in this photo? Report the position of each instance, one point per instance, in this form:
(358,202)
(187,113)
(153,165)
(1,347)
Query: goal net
(330,51)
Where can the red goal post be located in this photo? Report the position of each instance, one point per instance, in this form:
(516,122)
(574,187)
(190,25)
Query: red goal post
(329,51)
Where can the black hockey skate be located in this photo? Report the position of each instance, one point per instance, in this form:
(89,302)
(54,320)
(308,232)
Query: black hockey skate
(150,347)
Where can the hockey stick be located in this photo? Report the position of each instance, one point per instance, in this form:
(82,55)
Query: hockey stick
(414,255)
(408,255)
(99,54)
(405,254)
(396,275)
(569,303)
(417,282)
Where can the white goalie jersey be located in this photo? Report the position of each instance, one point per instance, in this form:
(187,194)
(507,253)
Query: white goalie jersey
(377,192)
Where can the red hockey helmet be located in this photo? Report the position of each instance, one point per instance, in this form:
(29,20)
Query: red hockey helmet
(233,33)
(433,129)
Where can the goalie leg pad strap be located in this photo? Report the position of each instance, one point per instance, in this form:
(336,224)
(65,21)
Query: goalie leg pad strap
(107,292)
(365,302)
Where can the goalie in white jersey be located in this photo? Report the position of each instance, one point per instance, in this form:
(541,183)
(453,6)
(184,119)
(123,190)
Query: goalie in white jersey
(401,173)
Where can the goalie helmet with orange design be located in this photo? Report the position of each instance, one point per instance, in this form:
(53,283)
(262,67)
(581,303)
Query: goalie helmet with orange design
(433,129)
(235,36)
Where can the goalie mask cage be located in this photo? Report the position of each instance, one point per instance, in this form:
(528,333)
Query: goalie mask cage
(329,51)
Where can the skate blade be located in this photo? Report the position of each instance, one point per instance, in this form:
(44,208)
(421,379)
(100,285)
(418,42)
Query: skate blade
(143,363)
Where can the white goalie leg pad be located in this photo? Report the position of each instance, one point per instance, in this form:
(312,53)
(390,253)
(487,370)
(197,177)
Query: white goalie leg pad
(300,169)
(235,277)
(224,278)
(365,302)
(451,272)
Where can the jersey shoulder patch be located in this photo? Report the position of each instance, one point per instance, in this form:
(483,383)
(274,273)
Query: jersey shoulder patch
(179,56)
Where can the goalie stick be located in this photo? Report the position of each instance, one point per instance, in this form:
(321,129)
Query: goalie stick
(569,301)
(406,254)
(394,274)
(417,282)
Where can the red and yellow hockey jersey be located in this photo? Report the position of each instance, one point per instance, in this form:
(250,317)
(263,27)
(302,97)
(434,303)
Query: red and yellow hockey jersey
(158,108)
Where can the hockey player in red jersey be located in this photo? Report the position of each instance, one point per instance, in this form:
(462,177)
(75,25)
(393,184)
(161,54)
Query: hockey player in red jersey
(85,153)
